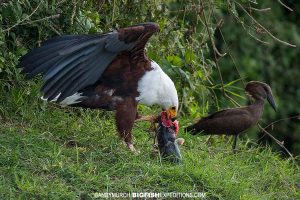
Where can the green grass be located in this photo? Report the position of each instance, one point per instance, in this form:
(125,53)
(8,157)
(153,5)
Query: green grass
(52,153)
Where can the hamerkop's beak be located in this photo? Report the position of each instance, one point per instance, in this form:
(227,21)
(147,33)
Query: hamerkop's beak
(271,101)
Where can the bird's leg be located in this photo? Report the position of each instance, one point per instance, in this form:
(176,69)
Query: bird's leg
(155,142)
(152,119)
(131,148)
(125,117)
(153,134)
(234,143)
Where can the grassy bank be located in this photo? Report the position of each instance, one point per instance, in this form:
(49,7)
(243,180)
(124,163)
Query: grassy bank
(53,153)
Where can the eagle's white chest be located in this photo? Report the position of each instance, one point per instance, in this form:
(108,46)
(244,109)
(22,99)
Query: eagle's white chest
(156,87)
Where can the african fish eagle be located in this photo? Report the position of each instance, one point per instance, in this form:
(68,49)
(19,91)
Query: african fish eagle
(103,71)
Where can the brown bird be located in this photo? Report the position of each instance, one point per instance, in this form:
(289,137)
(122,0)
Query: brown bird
(234,121)
(108,71)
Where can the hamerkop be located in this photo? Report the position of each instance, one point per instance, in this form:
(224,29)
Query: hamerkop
(234,121)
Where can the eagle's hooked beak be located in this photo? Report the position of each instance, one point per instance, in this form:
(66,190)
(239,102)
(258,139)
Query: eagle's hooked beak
(172,112)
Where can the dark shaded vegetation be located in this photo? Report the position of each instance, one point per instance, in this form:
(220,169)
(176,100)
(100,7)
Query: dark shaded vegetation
(273,63)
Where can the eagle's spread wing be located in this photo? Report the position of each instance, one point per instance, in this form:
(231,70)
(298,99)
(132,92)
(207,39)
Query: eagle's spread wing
(72,62)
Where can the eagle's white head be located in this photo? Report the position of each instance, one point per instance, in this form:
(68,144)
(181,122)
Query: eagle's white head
(156,87)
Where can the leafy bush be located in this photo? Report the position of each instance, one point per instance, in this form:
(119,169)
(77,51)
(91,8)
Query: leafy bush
(180,47)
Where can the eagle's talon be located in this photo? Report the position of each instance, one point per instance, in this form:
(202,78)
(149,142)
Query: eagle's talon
(131,148)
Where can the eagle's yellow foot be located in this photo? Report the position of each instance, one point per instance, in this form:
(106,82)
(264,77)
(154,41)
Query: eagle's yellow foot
(131,148)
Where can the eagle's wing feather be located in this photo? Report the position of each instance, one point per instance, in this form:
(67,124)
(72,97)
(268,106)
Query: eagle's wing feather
(72,62)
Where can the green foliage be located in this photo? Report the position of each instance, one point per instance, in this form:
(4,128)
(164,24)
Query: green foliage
(25,24)
(182,42)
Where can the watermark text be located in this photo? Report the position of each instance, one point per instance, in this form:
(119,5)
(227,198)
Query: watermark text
(122,195)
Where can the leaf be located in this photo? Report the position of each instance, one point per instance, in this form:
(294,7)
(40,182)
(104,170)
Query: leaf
(189,56)
(175,60)
(235,94)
